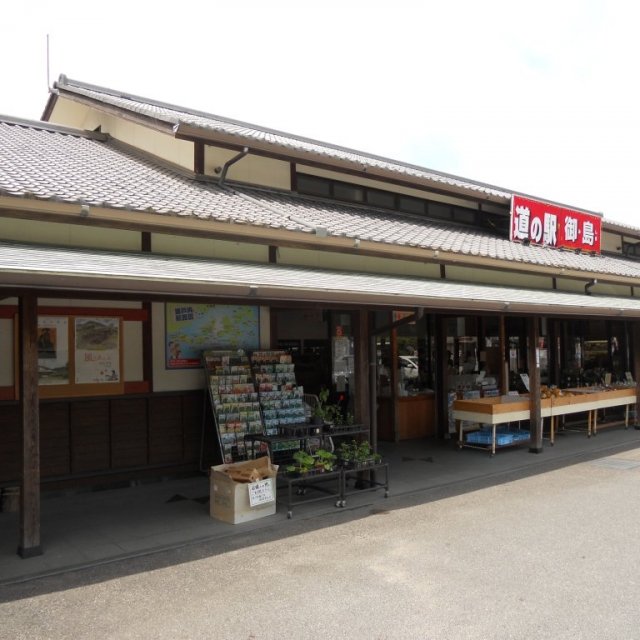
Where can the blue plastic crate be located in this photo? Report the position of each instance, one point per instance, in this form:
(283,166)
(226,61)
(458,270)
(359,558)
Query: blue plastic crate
(484,437)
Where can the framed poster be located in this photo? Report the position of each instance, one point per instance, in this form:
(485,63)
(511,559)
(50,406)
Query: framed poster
(53,350)
(97,350)
(194,328)
(79,356)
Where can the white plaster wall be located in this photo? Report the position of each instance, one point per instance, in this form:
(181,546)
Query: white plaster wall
(208,248)
(68,235)
(69,113)
(351,262)
(132,351)
(505,278)
(251,169)
(611,242)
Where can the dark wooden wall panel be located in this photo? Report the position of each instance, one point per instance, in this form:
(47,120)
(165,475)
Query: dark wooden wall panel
(129,437)
(192,406)
(55,451)
(104,437)
(90,436)
(10,443)
(165,429)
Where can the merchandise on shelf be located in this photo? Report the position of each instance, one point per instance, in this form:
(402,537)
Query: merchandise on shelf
(236,408)
(281,399)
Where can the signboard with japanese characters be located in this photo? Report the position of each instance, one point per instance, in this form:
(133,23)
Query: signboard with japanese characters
(546,224)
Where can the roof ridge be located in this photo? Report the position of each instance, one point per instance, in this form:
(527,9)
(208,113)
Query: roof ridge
(47,126)
(69,83)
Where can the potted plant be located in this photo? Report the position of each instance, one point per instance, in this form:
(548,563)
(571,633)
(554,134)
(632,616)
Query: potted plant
(306,463)
(329,414)
(357,454)
(303,463)
(325,460)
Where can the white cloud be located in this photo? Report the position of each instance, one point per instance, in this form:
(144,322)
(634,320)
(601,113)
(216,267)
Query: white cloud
(538,98)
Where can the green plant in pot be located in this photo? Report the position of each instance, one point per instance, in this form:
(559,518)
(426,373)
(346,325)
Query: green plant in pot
(328,413)
(306,463)
(325,460)
(358,454)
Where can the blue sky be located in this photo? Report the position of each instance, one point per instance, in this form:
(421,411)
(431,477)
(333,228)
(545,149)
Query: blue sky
(539,98)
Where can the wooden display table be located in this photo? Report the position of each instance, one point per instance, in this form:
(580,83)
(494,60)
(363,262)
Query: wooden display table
(591,399)
(504,409)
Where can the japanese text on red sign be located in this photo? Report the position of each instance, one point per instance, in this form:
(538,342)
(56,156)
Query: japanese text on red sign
(550,225)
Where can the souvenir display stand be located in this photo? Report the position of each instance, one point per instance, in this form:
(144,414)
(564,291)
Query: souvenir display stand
(258,410)
(234,401)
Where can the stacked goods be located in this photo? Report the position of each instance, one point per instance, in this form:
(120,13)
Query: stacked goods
(554,392)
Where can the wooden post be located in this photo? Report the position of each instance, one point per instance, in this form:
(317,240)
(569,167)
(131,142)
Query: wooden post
(635,357)
(395,378)
(504,357)
(361,406)
(442,380)
(29,545)
(535,405)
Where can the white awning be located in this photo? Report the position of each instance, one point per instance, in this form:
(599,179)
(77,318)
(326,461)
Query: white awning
(66,270)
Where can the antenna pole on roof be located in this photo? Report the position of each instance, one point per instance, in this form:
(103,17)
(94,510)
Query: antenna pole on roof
(48,83)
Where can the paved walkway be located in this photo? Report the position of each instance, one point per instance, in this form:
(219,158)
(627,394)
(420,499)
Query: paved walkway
(82,529)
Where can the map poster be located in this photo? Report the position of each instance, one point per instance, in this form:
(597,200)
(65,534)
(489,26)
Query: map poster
(53,350)
(193,328)
(97,350)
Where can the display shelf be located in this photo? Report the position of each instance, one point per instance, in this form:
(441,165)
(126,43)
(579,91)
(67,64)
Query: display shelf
(505,409)
(234,401)
(281,401)
(364,476)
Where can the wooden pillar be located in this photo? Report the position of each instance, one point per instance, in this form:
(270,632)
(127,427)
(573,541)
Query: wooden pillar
(373,391)
(535,406)
(361,407)
(635,358)
(29,545)
(394,377)
(504,357)
(442,380)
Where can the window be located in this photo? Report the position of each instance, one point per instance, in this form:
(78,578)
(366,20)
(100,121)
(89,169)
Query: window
(384,199)
(411,205)
(348,192)
(313,186)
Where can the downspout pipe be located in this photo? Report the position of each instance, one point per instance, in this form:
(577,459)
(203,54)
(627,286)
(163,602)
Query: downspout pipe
(228,163)
(587,287)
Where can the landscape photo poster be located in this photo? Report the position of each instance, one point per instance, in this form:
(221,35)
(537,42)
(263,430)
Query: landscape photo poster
(97,350)
(193,328)
(53,350)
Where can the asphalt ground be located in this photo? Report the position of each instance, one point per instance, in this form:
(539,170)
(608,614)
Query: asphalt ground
(544,552)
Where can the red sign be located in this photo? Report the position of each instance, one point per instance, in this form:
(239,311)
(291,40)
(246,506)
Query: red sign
(546,224)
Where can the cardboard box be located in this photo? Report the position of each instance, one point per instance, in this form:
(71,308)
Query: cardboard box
(231,500)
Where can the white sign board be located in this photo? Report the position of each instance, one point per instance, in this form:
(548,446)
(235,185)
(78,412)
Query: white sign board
(260,492)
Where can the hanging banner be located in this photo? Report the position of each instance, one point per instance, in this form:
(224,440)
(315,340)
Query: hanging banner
(541,223)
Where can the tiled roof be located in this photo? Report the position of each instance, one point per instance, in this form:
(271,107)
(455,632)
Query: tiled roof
(247,133)
(94,270)
(49,164)
(378,226)
(60,165)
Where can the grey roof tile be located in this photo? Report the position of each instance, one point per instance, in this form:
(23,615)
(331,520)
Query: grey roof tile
(48,163)
(174,115)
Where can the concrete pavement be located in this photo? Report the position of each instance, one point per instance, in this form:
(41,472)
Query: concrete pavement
(543,550)
(86,529)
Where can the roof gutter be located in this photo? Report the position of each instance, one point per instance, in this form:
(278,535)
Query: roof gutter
(228,163)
